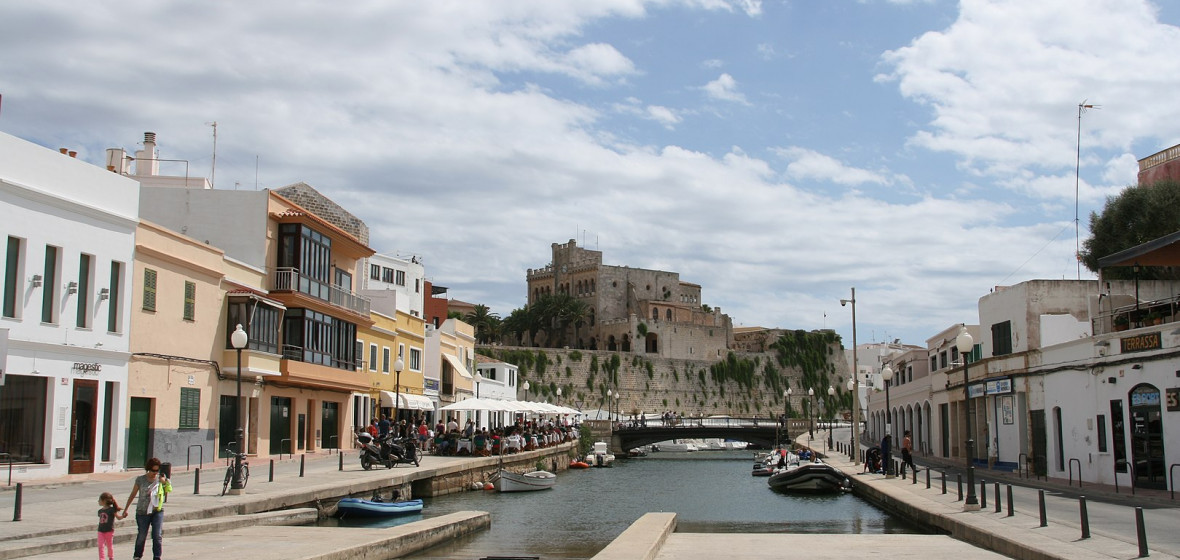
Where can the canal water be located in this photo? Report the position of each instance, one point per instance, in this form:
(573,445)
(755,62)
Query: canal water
(710,491)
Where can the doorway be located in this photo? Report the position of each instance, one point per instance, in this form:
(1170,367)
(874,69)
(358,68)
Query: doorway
(82,426)
(1147,437)
(139,428)
(280,425)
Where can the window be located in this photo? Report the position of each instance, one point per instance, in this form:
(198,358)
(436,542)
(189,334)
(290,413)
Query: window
(942,359)
(22,417)
(401,278)
(668,315)
(385,360)
(359,351)
(309,254)
(258,319)
(372,357)
(415,359)
(1102,448)
(933,363)
(49,287)
(375,271)
(190,300)
(318,338)
(655,314)
(488,373)
(149,289)
(417,285)
(115,289)
(387,275)
(190,408)
(12,274)
(83,296)
(1002,338)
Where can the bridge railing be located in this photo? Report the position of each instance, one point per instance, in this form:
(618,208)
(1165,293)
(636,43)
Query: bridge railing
(700,422)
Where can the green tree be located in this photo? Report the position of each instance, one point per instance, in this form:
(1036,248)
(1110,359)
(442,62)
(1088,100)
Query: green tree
(486,323)
(1135,216)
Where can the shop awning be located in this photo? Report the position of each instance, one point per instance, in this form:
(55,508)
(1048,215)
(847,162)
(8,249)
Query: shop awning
(455,363)
(408,401)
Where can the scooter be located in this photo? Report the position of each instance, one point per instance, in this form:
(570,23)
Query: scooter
(389,452)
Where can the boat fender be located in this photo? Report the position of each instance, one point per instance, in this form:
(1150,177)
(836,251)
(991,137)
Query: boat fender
(489,486)
(477,485)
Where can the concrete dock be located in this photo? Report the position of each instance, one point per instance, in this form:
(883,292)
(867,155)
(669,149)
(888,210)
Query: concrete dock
(57,518)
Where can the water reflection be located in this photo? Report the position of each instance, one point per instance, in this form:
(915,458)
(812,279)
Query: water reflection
(711,492)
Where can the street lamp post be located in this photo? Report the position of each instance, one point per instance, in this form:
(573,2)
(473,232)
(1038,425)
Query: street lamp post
(852,427)
(238,339)
(526,390)
(811,416)
(828,410)
(559,396)
(887,377)
(478,380)
(398,364)
(787,416)
(966,346)
(854,382)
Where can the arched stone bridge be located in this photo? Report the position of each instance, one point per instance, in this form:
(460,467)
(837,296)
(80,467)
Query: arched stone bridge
(763,431)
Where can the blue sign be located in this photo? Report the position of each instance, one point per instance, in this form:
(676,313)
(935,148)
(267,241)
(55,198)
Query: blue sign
(999,386)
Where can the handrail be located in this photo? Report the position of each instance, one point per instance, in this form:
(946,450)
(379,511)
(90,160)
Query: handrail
(288,279)
(1072,460)
(188,455)
(337,448)
(289,450)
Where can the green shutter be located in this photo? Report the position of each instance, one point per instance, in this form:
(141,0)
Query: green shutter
(190,300)
(149,289)
(190,408)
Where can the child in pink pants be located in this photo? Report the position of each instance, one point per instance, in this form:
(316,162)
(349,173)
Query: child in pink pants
(108,507)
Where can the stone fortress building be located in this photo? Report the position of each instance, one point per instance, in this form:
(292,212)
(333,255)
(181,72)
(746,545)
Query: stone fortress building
(633,309)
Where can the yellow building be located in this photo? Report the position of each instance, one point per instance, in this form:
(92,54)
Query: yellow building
(395,338)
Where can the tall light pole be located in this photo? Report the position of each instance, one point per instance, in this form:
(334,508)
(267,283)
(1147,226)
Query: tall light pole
(238,339)
(966,346)
(559,396)
(855,383)
(828,411)
(526,390)
(1077,189)
(887,376)
(811,416)
(398,364)
(478,380)
(608,394)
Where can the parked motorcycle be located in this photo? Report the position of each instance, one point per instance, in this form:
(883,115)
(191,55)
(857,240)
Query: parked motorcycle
(390,451)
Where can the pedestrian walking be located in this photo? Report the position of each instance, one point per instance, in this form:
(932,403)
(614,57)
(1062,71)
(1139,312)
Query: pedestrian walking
(108,510)
(153,488)
(907,454)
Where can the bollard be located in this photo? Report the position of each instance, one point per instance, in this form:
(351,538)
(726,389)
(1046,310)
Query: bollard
(20,491)
(943,473)
(927,478)
(982,494)
(1141,532)
(301,458)
(341,456)
(997,497)
(960,477)
(914,476)
(1010,512)
(1044,518)
(1085,515)
(272,471)
(197,481)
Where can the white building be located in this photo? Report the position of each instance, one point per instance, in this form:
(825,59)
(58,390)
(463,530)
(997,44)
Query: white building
(496,380)
(70,237)
(406,277)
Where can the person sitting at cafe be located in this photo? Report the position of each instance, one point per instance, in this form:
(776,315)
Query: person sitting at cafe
(441,445)
(481,443)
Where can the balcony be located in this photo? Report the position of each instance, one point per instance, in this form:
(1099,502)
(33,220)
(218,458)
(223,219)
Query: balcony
(291,280)
(1146,314)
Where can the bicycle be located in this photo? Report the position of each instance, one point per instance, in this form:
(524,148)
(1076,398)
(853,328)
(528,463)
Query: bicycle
(229,472)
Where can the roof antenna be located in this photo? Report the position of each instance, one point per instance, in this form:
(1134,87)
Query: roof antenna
(213,173)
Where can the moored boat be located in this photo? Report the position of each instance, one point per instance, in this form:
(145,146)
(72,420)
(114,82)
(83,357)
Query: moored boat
(808,477)
(600,456)
(357,507)
(508,481)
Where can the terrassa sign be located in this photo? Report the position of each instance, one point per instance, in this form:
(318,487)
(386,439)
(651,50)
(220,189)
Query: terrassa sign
(1139,343)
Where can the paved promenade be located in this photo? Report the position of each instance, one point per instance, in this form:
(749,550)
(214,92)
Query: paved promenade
(58,518)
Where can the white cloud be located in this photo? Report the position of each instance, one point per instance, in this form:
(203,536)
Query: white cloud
(724,88)
(592,63)
(808,164)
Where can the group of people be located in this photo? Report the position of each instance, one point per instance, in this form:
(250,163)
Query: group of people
(450,440)
(878,459)
(152,488)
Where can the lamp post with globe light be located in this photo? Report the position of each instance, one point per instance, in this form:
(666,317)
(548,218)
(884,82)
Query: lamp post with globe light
(966,345)
(398,364)
(828,411)
(478,380)
(526,390)
(887,376)
(787,416)
(852,428)
(811,416)
(239,339)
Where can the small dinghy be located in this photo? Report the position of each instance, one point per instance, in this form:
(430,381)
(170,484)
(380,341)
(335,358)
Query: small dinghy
(809,477)
(357,507)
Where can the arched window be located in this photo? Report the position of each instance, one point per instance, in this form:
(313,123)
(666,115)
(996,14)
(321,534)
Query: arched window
(655,314)
(668,315)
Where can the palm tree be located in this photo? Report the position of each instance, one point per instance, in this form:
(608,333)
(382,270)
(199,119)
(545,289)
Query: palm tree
(485,322)
(576,313)
(516,324)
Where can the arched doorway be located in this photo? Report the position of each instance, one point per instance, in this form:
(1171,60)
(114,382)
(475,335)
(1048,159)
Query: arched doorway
(1147,437)
(652,343)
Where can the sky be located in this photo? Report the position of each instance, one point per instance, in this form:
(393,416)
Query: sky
(777,153)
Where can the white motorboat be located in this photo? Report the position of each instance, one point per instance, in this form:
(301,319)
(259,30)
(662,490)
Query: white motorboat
(600,456)
(675,445)
(508,481)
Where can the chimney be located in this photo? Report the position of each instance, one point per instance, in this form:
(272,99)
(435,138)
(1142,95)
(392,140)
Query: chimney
(73,154)
(63,151)
(146,164)
(117,161)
